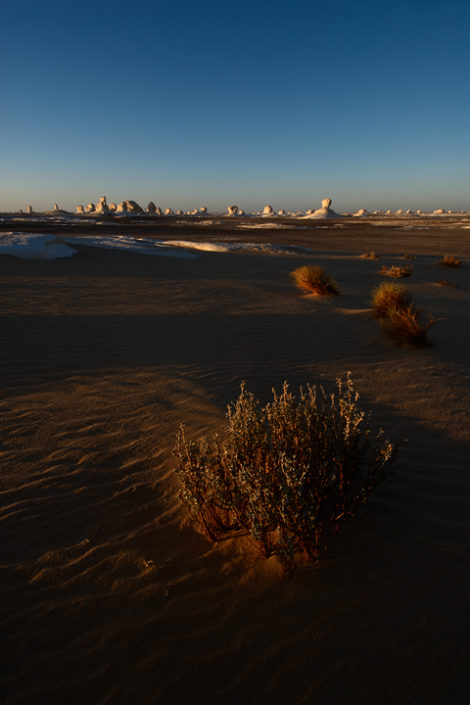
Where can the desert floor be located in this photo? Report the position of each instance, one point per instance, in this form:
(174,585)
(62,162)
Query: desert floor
(107,595)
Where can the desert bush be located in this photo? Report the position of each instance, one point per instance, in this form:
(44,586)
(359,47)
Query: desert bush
(403,325)
(406,256)
(287,473)
(450,261)
(396,272)
(312,279)
(389,295)
(369,255)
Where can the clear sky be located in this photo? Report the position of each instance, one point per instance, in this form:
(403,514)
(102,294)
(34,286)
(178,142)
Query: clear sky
(212,103)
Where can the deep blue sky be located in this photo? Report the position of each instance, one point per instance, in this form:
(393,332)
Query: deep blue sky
(210,103)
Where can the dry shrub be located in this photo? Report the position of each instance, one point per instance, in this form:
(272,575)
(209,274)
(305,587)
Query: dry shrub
(396,272)
(287,474)
(369,255)
(389,296)
(450,261)
(402,324)
(312,279)
(409,257)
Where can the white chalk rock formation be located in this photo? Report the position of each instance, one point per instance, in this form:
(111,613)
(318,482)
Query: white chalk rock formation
(102,206)
(399,211)
(179,212)
(232,210)
(203,210)
(80,210)
(419,211)
(241,211)
(122,207)
(325,211)
(56,208)
(282,212)
(169,211)
(134,208)
(360,213)
(29,210)
(158,210)
(438,211)
(151,208)
(409,212)
(90,208)
(112,207)
(389,212)
(268,210)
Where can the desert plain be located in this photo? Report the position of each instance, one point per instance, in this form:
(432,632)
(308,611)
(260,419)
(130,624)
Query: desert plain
(109,596)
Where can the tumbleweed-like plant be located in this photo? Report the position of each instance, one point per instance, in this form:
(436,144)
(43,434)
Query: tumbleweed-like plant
(312,279)
(389,295)
(287,474)
(450,261)
(396,272)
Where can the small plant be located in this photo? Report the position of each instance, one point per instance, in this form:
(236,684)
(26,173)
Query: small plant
(396,272)
(288,473)
(411,257)
(389,296)
(369,255)
(450,261)
(402,324)
(312,279)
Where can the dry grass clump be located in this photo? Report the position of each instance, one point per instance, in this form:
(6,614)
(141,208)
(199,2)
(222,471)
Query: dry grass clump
(403,326)
(396,272)
(312,279)
(450,261)
(369,255)
(389,296)
(286,474)
(399,317)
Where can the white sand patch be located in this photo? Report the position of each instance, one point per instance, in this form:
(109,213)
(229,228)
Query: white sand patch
(244,247)
(127,243)
(34,246)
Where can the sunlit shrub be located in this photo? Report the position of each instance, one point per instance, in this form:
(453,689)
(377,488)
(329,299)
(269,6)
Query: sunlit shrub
(389,295)
(396,272)
(450,261)
(288,473)
(312,279)
(403,325)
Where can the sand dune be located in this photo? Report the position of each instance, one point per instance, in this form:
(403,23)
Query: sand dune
(109,597)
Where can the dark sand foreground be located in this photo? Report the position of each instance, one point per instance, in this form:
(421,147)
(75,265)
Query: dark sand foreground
(108,598)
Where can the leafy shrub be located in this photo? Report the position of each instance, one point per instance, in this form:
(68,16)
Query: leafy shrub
(312,279)
(388,296)
(396,272)
(450,261)
(402,324)
(287,473)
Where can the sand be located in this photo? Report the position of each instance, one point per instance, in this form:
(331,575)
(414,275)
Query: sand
(108,596)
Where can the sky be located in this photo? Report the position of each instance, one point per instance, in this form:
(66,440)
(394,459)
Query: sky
(253,103)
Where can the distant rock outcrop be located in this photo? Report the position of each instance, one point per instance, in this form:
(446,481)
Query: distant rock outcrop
(232,210)
(80,211)
(325,211)
(122,207)
(151,208)
(102,206)
(268,210)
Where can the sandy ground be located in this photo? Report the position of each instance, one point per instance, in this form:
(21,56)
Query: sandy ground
(107,597)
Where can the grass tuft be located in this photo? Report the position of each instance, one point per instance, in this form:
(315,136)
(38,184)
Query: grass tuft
(403,326)
(389,296)
(396,272)
(450,261)
(286,474)
(312,279)
(369,255)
